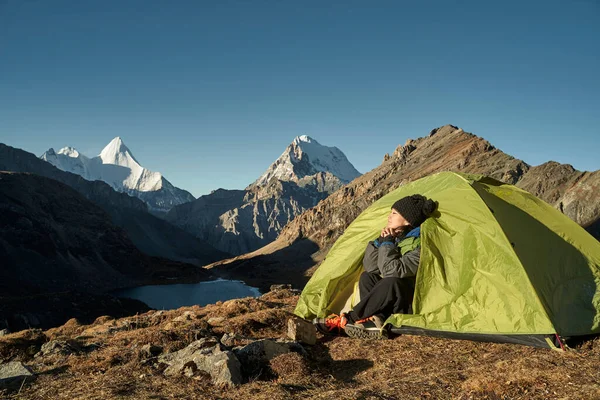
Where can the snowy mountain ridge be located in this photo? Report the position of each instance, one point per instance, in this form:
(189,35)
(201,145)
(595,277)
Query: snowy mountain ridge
(305,157)
(117,166)
(241,221)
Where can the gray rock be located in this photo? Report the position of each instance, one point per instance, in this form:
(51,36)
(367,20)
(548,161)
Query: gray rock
(186,316)
(4,332)
(205,355)
(59,347)
(228,339)
(302,331)
(150,350)
(13,374)
(215,321)
(255,356)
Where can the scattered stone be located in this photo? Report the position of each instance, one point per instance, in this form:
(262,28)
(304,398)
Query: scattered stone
(186,316)
(228,339)
(150,350)
(157,317)
(302,331)
(280,287)
(12,375)
(233,340)
(168,326)
(4,332)
(129,325)
(62,347)
(207,356)
(215,321)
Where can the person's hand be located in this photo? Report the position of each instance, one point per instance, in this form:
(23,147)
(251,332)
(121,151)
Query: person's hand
(390,232)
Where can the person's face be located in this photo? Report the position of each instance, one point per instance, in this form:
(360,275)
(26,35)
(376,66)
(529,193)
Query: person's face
(396,220)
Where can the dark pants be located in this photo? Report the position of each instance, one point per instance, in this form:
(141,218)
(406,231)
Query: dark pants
(382,296)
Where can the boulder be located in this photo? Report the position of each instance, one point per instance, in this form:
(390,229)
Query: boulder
(228,339)
(62,347)
(204,355)
(186,316)
(216,321)
(233,339)
(150,350)
(302,331)
(13,374)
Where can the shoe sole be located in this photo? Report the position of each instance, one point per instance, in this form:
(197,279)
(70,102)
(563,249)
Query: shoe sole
(358,333)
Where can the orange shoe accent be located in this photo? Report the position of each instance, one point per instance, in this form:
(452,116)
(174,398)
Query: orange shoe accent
(331,324)
(335,321)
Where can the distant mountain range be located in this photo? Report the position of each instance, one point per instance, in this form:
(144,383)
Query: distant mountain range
(239,221)
(150,234)
(117,166)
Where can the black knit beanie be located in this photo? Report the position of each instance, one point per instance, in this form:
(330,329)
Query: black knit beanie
(415,209)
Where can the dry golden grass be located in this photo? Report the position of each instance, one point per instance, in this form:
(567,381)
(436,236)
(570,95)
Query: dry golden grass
(112,363)
(290,367)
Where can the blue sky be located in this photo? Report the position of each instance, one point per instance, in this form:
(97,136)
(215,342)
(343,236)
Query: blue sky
(211,92)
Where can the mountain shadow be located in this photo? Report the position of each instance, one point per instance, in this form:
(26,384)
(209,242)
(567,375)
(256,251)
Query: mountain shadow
(285,266)
(149,233)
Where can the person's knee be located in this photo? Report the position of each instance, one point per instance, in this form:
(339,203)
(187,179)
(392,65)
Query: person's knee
(391,281)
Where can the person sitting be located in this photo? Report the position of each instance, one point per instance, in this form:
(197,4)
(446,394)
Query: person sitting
(390,265)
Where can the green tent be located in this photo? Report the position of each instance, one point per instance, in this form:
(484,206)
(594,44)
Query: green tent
(497,264)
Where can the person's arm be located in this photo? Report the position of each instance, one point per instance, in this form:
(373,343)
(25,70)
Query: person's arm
(391,264)
(370,257)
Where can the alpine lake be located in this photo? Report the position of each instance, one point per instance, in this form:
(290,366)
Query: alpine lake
(167,297)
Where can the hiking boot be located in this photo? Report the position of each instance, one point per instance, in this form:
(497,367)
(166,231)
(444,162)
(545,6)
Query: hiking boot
(370,328)
(331,325)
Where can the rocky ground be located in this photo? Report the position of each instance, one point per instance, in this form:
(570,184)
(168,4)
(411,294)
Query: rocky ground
(238,350)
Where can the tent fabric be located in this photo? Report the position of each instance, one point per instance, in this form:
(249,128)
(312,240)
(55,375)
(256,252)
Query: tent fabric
(494,260)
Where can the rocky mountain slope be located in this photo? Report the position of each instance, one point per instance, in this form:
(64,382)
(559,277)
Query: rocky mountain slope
(117,166)
(239,221)
(576,193)
(53,240)
(150,234)
(166,354)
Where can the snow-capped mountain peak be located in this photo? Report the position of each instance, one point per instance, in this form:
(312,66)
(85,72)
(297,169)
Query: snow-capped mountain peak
(305,157)
(117,166)
(117,153)
(305,139)
(68,151)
